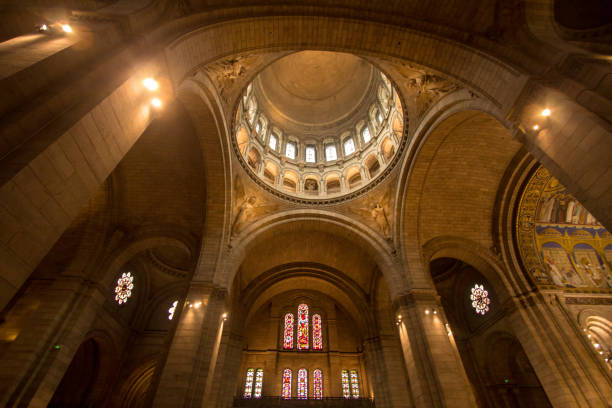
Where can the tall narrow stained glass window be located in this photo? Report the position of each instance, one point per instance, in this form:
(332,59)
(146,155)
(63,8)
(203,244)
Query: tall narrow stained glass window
(302,391)
(346,389)
(317,335)
(258,383)
(317,384)
(302,327)
(288,333)
(248,384)
(354,384)
(286,391)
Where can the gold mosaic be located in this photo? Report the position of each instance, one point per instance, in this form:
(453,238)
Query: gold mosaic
(561,244)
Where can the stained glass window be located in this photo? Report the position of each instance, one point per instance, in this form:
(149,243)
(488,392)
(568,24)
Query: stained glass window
(346,390)
(172,310)
(286,392)
(354,384)
(480,299)
(248,384)
(302,327)
(317,336)
(302,391)
(124,287)
(365,133)
(317,384)
(288,333)
(258,382)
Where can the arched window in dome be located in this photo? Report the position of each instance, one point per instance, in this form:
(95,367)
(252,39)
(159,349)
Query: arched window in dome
(330,152)
(317,384)
(349,146)
(379,117)
(317,335)
(248,384)
(346,388)
(383,97)
(252,110)
(354,384)
(302,327)
(258,383)
(365,134)
(302,385)
(273,141)
(286,389)
(311,154)
(290,150)
(288,332)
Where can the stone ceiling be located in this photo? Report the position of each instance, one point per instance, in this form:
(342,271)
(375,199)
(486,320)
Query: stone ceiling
(315,92)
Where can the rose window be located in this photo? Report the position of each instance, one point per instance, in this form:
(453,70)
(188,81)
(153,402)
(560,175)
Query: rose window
(480,299)
(124,287)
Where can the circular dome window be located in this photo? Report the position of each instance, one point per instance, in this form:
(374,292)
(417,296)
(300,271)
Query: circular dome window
(319,127)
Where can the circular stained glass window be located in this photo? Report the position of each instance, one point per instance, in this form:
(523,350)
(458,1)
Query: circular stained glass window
(480,299)
(124,287)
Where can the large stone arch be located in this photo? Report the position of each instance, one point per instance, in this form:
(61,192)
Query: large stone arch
(200,101)
(440,180)
(364,237)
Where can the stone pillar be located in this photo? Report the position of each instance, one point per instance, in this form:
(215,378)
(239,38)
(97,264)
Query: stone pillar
(561,357)
(387,372)
(60,316)
(222,388)
(436,374)
(194,349)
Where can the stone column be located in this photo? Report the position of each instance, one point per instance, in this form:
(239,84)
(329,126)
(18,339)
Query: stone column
(194,349)
(59,316)
(436,374)
(558,352)
(221,387)
(387,372)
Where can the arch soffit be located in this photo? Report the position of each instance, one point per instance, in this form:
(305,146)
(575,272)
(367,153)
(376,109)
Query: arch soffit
(135,245)
(203,106)
(255,288)
(353,305)
(474,254)
(449,105)
(376,247)
(192,50)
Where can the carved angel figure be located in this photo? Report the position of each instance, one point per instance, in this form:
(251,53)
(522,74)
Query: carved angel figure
(248,209)
(375,212)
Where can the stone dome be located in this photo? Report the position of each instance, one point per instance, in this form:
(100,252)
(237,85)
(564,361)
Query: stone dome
(318,126)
